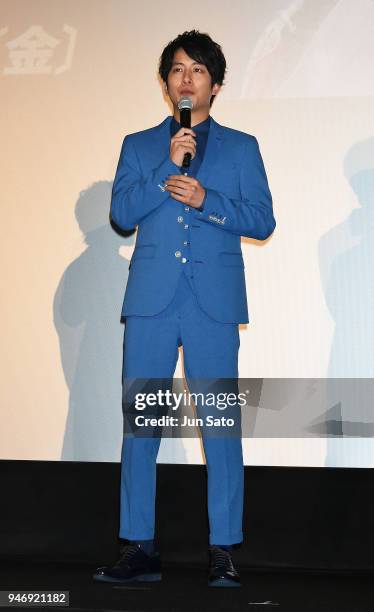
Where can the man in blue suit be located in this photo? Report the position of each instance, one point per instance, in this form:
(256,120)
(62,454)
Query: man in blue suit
(186,287)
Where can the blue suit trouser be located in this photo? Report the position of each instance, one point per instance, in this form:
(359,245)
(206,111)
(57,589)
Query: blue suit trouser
(210,350)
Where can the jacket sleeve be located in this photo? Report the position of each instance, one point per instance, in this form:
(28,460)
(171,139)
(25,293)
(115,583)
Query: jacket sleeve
(133,195)
(250,216)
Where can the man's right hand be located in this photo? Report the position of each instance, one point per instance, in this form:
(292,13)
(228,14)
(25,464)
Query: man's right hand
(183,142)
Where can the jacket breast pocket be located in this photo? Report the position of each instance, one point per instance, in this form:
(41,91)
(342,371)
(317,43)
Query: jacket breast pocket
(231,259)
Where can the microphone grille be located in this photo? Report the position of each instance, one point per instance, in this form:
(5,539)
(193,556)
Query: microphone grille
(185,102)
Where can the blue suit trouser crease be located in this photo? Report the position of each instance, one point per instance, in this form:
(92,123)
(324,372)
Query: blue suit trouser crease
(210,350)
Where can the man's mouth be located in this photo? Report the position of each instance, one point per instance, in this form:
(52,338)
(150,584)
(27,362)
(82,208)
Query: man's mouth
(186,91)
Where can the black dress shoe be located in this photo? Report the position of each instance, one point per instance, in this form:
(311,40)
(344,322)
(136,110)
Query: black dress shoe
(134,565)
(222,572)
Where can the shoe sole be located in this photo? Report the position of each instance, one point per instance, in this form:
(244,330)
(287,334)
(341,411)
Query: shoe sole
(140,578)
(224,582)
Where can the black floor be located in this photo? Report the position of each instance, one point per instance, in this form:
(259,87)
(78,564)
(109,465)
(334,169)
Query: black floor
(186,589)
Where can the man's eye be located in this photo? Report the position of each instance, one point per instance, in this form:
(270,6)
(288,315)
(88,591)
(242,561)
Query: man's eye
(197,69)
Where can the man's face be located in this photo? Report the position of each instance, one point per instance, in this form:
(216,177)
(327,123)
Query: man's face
(189,78)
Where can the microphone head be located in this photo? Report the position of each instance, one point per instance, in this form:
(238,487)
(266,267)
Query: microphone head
(185,102)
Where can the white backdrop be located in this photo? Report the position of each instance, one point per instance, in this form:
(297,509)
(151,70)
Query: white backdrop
(75,77)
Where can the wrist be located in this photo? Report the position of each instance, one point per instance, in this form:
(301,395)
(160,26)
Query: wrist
(201,207)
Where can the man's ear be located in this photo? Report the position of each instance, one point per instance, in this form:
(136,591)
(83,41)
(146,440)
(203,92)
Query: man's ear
(215,89)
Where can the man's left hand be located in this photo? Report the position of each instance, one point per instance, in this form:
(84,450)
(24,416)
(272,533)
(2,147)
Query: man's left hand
(185,189)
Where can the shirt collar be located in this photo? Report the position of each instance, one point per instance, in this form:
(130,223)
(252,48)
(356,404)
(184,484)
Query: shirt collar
(200,128)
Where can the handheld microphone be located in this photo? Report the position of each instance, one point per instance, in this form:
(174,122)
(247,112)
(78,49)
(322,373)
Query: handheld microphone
(185,106)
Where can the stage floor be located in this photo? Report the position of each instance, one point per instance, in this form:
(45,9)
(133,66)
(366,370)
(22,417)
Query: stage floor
(186,589)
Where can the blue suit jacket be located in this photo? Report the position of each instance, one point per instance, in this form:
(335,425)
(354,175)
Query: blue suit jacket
(238,203)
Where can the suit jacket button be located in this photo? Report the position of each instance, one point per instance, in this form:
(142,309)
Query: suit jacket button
(180,219)
(177,253)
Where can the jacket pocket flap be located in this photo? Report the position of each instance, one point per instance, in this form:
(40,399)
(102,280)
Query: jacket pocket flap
(144,251)
(231,259)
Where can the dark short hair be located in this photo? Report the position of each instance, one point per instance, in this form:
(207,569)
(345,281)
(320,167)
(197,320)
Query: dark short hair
(201,48)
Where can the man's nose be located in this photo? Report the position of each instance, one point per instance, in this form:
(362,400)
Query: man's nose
(187,77)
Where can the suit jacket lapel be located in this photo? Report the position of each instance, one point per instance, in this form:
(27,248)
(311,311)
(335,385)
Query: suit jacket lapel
(161,138)
(212,151)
